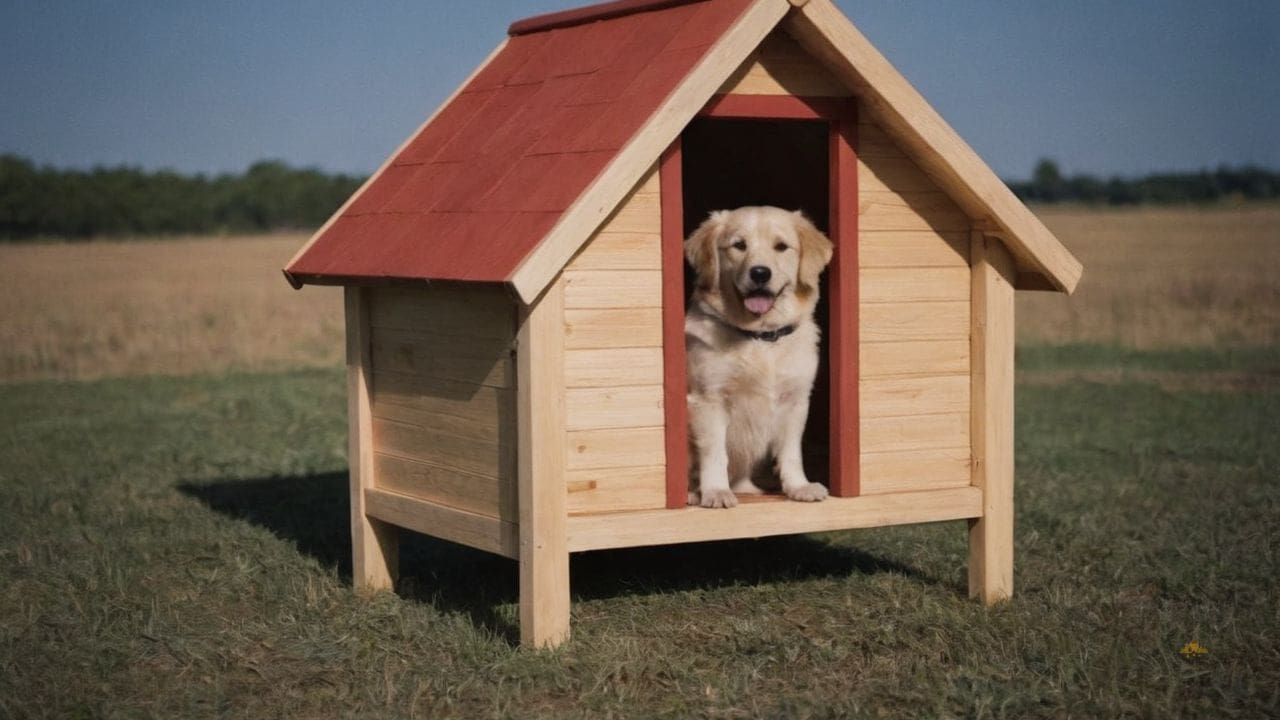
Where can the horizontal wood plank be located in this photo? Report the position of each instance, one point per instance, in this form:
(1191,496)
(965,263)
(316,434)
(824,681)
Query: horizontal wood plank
(915,470)
(479,361)
(444,403)
(913,321)
(922,432)
(480,494)
(458,449)
(762,519)
(613,367)
(926,395)
(632,447)
(898,285)
(911,249)
(617,489)
(892,173)
(924,357)
(478,311)
(873,142)
(460,526)
(622,407)
(781,67)
(588,289)
(909,211)
(620,251)
(640,213)
(613,328)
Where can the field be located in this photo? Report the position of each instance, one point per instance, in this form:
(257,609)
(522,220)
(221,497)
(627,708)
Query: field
(174,539)
(1153,279)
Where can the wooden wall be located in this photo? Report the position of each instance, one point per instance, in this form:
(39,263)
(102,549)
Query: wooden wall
(613,361)
(781,67)
(443,396)
(914,286)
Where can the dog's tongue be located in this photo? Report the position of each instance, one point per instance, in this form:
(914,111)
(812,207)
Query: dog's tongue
(758,304)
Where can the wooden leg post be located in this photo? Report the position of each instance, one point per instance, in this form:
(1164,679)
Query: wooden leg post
(992,337)
(375,545)
(544,550)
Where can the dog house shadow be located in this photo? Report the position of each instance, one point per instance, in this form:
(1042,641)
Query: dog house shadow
(313,513)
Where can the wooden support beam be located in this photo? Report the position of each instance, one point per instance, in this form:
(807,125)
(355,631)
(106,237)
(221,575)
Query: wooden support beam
(543,493)
(991,419)
(374,543)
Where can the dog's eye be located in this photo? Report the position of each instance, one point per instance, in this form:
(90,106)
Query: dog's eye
(740,245)
(780,246)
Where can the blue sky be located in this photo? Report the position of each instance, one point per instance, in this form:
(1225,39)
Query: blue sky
(1104,87)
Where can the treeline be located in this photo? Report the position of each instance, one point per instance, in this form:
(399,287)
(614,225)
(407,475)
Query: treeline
(50,202)
(1048,185)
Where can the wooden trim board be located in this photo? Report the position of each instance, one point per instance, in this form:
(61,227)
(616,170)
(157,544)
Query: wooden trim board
(762,519)
(455,525)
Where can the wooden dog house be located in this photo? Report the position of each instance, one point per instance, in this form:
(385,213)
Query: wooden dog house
(515,293)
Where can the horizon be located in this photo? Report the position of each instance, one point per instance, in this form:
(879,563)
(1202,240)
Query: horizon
(1175,87)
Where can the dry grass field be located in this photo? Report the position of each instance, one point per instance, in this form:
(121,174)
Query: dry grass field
(1163,278)
(178,307)
(1154,278)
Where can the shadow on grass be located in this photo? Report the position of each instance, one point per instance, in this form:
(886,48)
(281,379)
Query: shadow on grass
(313,513)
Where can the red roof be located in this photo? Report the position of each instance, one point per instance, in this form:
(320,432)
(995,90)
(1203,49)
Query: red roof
(477,189)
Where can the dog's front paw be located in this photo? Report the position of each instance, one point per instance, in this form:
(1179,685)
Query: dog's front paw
(809,492)
(719,498)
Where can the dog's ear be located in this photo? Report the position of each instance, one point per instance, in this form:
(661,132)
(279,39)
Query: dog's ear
(815,252)
(701,251)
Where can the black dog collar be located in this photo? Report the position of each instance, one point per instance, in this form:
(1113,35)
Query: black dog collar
(768,335)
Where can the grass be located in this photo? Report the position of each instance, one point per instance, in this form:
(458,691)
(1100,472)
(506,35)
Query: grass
(178,547)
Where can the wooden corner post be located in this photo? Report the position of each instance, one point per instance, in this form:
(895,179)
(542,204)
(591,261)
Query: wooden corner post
(992,338)
(375,547)
(543,493)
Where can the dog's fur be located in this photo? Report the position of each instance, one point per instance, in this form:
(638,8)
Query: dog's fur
(749,398)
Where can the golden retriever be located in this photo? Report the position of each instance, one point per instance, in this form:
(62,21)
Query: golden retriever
(752,352)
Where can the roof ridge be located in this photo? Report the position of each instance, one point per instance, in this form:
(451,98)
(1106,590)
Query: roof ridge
(589,13)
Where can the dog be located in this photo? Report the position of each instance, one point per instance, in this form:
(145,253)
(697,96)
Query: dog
(752,352)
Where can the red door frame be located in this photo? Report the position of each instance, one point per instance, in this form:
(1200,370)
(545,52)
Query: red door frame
(842,335)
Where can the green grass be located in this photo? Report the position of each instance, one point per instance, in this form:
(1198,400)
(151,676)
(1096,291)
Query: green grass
(178,548)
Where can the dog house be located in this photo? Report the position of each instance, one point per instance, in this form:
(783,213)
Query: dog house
(515,293)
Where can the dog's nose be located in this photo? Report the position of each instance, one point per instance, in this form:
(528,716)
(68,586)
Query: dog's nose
(760,274)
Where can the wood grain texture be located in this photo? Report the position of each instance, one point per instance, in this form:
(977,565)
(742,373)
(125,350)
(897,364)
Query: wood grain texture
(914,321)
(620,251)
(478,531)
(915,470)
(914,249)
(991,536)
(915,432)
(762,519)
(479,494)
(925,395)
(590,289)
(915,211)
(602,449)
(543,495)
(614,490)
(374,543)
(781,67)
(925,357)
(613,328)
(613,367)
(622,407)
(906,285)
(479,361)
(456,311)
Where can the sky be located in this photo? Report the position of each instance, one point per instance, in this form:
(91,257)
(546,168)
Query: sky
(1102,86)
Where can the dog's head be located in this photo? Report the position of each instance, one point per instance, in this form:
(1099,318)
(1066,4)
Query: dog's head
(758,266)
